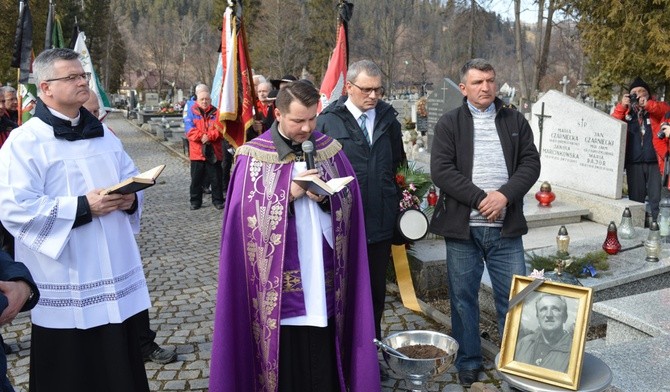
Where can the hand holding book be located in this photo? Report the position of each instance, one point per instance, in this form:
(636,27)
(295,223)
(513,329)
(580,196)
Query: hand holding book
(136,183)
(317,186)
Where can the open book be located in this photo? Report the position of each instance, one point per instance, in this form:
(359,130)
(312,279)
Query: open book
(136,183)
(317,186)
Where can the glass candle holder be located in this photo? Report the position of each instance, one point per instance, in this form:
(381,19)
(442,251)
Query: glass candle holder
(611,244)
(652,246)
(626,228)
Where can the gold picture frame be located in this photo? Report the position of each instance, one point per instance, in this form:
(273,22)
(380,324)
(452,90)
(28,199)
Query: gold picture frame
(550,348)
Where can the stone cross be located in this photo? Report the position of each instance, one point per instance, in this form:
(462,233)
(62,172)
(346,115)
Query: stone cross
(564,82)
(540,125)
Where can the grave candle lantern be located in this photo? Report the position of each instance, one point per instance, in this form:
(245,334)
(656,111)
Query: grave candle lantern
(652,245)
(664,217)
(626,229)
(562,242)
(432,196)
(545,196)
(611,244)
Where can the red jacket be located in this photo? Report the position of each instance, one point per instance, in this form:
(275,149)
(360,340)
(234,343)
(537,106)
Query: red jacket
(205,122)
(656,110)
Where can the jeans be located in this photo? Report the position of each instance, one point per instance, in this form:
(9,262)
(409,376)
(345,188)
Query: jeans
(504,257)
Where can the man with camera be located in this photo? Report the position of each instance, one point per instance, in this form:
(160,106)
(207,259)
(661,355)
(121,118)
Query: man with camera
(643,116)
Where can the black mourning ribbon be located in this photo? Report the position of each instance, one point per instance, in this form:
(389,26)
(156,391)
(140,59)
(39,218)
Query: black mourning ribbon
(89,126)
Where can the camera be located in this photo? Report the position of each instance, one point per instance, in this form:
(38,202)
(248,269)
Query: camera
(661,134)
(634,99)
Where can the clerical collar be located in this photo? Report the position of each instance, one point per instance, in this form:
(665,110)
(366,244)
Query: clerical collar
(284,145)
(296,147)
(84,126)
(283,136)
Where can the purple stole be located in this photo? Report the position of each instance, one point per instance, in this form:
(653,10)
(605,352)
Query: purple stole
(258,248)
(293,298)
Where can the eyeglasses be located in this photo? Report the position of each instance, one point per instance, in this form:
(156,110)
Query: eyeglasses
(367,91)
(73,78)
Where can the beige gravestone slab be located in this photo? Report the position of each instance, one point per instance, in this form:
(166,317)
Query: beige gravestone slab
(581,148)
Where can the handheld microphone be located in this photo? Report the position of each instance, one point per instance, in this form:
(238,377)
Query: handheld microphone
(308,149)
(666,121)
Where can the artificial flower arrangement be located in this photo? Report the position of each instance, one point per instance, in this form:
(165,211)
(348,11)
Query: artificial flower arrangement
(414,183)
(166,108)
(421,108)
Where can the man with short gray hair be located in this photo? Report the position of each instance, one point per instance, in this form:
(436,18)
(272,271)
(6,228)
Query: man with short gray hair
(6,123)
(11,103)
(371,138)
(77,241)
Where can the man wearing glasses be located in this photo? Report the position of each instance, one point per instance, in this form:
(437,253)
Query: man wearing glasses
(6,123)
(77,242)
(11,103)
(371,138)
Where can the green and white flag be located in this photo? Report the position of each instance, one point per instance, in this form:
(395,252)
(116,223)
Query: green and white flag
(94,83)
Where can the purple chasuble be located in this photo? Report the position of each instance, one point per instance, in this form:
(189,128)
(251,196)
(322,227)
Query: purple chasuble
(245,349)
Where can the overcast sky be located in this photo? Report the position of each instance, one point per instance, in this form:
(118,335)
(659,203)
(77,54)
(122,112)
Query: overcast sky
(506,9)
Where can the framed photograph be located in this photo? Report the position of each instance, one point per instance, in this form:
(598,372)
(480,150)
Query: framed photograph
(545,333)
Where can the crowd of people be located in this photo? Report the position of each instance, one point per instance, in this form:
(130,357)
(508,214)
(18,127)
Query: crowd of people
(302,274)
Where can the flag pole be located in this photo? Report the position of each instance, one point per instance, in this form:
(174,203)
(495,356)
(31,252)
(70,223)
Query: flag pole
(19,108)
(245,48)
(18,69)
(343,16)
(334,79)
(48,35)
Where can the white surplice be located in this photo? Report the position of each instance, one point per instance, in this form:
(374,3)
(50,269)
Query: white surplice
(90,275)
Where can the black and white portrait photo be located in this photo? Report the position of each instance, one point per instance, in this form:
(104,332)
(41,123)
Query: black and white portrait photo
(546,331)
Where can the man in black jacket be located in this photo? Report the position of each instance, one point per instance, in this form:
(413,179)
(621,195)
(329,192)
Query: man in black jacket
(18,292)
(371,138)
(484,161)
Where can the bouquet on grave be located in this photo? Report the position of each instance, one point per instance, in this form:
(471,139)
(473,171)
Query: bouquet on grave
(414,183)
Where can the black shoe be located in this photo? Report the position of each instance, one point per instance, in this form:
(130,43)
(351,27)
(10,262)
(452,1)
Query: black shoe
(468,377)
(195,207)
(161,356)
(218,206)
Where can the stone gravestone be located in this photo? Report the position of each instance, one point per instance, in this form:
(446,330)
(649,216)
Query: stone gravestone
(581,148)
(151,101)
(445,97)
(404,109)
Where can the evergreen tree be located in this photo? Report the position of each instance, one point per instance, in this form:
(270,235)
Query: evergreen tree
(624,39)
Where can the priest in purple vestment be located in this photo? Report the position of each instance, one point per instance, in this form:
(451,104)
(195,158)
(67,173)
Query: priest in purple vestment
(293,310)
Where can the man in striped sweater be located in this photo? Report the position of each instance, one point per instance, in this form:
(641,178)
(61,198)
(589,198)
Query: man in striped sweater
(484,161)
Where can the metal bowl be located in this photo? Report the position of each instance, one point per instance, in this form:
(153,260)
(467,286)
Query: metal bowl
(418,371)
